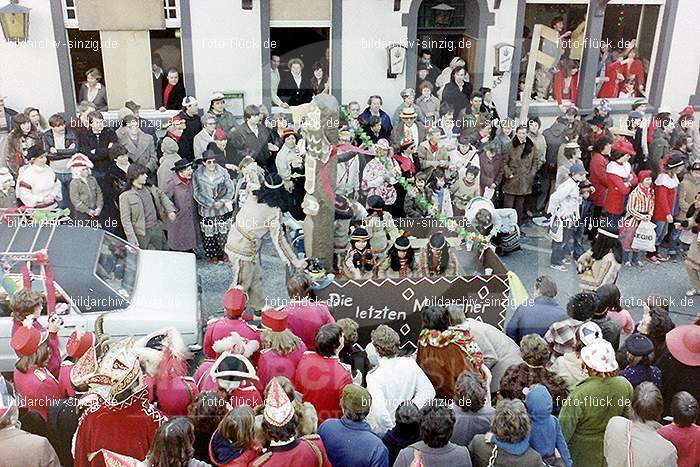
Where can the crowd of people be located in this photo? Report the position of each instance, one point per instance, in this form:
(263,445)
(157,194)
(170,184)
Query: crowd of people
(559,387)
(298,387)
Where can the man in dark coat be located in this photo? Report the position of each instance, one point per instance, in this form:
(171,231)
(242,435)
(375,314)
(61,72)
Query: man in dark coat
(254,137)
(96,142)
(193,125)
(173,90)
(295,87)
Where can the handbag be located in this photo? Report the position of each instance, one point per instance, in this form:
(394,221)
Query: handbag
(644,237)
(556,229)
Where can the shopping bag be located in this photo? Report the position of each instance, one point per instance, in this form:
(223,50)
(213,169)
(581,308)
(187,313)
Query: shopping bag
(556,229)
(644,237)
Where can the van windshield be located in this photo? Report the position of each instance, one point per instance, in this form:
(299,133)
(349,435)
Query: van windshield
(117,265)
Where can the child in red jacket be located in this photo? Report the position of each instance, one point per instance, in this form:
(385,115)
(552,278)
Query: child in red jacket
(664,202)
(620,181)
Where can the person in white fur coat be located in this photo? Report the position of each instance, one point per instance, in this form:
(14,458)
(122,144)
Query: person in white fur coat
(37,184)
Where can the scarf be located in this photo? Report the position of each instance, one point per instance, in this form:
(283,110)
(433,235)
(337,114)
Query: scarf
(174,136)
(459,337)
(433,147)
(184,180)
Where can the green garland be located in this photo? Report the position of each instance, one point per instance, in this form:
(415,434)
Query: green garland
(470,237)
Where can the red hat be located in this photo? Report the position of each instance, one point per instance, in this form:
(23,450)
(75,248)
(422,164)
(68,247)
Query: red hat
(289,132)
(684,344)
(220,135)
(274,320)
(78,343)
(623,146)
(687,112)
(235,301)
(27,339)
(643,175)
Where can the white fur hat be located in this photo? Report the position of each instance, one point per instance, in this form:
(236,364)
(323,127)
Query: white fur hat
(236,344)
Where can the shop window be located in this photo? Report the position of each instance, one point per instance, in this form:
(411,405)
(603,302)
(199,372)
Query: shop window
(627,50)
(557,82)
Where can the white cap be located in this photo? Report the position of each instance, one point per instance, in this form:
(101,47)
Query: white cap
(188,101)
(217,96)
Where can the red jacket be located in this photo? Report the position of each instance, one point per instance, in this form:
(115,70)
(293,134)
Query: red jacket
(321,380)
(618,187)
(272,364)
(222,328)
(611,88)
(305,318)
(599,178)
(664,197)
(636,69)
(64,379)
(558,87)
(38,387)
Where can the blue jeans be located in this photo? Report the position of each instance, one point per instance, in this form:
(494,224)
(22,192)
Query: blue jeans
(661,230)
(561,249)
(633,256)
(65,192)
(579,235)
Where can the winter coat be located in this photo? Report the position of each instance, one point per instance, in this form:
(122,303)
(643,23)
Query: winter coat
(665,194)
(429,160)
(224,454)
(183,232)
(132,213)
(507,454)
(540,148)
(176,96)
(545,434)
(201,141)
(692,260)
(393,381)
(469,423)
(18,447)
(245,139)
(648,448)
(193,125)
(554,137)
(459,100)
(398,133)
(450,454)
(292,93)
(100,99)
(387,126)
(599,178)
(585,415)
(521,165)
(96,147)
(565,201)
(225,120)
(86,195)
(640,203)
(141,151)
(59,160)
(341,437)
(34,183)
(660,146)
(558,87)
(491,171)
(620,179)
(534,318)
(414,209)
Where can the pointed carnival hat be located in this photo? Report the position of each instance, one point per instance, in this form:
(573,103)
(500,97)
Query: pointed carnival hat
(278,408)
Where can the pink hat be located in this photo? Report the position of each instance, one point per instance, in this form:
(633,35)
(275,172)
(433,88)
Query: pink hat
(278,408)
(684,344)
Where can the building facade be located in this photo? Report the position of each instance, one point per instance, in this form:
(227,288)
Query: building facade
(225,45)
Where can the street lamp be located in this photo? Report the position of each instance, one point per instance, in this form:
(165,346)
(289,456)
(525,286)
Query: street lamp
(443,14)
(14,19)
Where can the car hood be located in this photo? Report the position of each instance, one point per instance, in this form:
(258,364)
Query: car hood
(165,295)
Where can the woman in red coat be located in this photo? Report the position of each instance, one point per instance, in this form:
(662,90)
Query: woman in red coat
(598,174)
(565,84)
(633,67)
(613,77)
(621,179)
